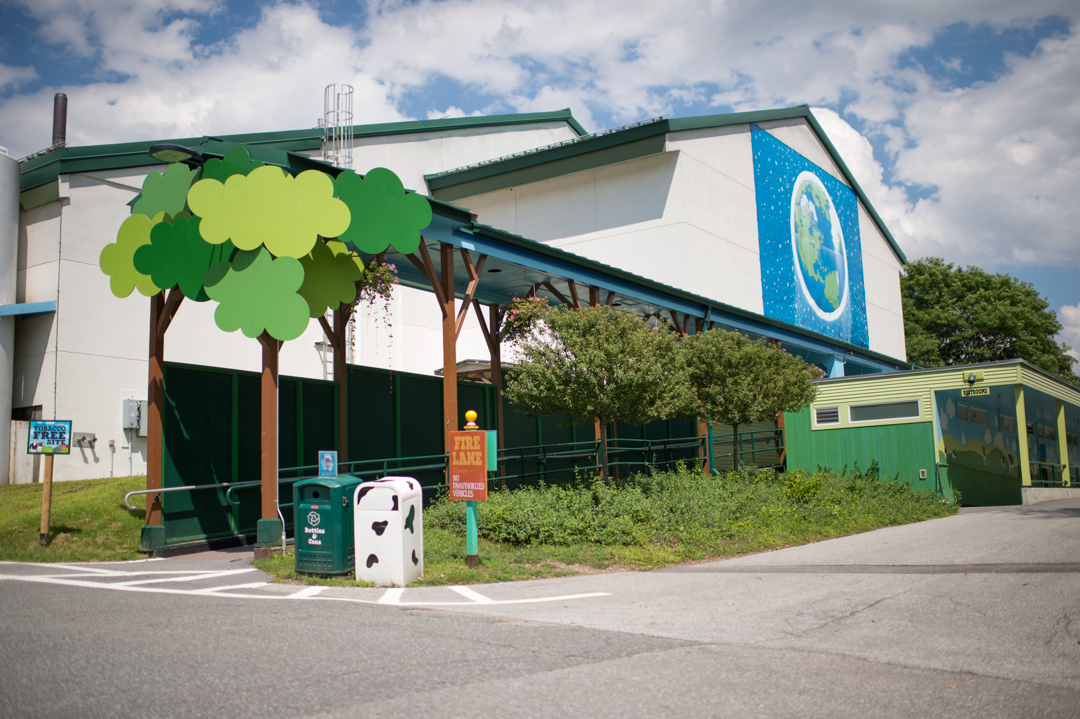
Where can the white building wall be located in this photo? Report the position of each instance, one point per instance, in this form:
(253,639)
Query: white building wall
(414,155)
(688,218)
(82,362)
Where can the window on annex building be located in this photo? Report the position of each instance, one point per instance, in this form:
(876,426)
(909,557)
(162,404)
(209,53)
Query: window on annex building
(908,409)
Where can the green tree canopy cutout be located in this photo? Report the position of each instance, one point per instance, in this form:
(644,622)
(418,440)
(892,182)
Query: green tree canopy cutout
(165,193)
(330,277)
(256,292)
(597,362)
(117,258)
(954,315)
(177,255)
(269,207)
(237,161)
(735,380)
(384,215)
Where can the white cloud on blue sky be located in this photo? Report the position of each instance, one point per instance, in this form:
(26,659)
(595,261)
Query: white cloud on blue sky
(961,119)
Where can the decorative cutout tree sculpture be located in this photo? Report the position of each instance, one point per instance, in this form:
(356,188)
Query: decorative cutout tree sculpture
(253,238)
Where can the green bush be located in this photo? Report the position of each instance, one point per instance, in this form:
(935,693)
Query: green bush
(695,510)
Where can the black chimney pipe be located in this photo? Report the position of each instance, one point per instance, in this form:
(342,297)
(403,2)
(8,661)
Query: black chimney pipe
(59,119)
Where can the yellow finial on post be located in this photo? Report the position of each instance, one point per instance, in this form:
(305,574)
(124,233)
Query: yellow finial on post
(470,420)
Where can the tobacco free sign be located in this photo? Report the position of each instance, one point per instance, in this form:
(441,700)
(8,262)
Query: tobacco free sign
(49,436)
(468,465)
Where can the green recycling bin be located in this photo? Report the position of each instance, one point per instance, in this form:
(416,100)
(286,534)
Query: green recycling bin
(324,524)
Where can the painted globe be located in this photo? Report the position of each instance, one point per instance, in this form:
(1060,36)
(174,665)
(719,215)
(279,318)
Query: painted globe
(819,243)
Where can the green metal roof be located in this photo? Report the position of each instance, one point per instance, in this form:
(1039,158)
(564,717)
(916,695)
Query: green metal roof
(65,160)
(405,128)
(607,148)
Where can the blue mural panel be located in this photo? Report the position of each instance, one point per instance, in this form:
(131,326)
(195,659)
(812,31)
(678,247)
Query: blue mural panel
(808,235)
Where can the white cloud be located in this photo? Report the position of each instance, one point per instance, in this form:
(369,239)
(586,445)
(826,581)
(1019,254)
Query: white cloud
(1069,316)
(1003,155)
(11,77)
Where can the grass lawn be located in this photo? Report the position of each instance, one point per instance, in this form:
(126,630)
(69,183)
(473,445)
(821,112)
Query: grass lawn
(644,523)
(89,521)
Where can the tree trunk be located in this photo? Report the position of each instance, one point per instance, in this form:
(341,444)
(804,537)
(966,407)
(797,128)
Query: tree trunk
(603,454)
(735,444)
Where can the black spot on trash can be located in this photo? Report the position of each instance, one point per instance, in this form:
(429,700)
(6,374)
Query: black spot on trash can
(409,520)
(379,527)
(360,495)
(394,508)
(415,561)
(372,560)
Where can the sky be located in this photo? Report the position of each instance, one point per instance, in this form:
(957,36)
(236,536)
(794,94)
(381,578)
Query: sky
(959,119)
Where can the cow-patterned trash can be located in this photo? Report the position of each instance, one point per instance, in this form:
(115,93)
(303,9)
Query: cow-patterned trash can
(388,531)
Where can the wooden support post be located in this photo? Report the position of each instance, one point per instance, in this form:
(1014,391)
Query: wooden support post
(162,311)
(610,299)
(46,501)
(449,326)
(341,372)
(155,406)
(497,380)
(572,286)
(268,462)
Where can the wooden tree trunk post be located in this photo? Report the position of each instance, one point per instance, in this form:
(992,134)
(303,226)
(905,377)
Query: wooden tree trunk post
(446,279)
(269,527)
(496,379)
(162,310)
(155,407)
(341,373)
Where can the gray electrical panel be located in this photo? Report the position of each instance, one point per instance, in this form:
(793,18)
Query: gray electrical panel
(135,416)
(131,414)
(144,418)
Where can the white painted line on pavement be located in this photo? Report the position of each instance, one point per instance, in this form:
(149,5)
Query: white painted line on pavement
(140,587)
(477,597)
(249,585)
(190,578)
(306,592)
(392,596)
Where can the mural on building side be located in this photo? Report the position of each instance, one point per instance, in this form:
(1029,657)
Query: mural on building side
(808,237)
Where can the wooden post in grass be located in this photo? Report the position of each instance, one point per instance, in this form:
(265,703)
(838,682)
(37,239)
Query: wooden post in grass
(46,500)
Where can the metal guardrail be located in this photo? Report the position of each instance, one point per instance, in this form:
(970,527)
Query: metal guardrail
(1049,474)
(618,451)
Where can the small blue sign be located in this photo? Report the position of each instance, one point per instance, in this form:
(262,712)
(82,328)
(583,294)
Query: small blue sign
(327,463)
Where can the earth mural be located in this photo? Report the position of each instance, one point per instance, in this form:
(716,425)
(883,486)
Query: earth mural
(818,244)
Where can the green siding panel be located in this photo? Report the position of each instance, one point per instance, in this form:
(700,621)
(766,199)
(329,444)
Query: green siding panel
(982,489)
(900,450)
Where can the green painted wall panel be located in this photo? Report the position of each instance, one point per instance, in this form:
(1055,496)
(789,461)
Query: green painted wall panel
(901,449)
(982,489)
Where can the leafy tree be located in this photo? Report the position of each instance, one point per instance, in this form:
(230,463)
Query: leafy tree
(257,293)
(954,315)
(735,380)
(117,259)
(391,216)
(331,275)
(269,207)
(164,193)
(597,363)
(178,256)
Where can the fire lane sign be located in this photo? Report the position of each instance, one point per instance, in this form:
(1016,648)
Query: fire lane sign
(468,466)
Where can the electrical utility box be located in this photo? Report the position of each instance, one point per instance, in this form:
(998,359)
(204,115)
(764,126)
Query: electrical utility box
(131,414)
(136,416)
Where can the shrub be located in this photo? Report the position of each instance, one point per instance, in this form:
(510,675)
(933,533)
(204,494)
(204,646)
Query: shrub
(698,511)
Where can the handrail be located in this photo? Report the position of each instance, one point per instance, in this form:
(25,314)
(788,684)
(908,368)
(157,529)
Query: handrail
(539,453)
